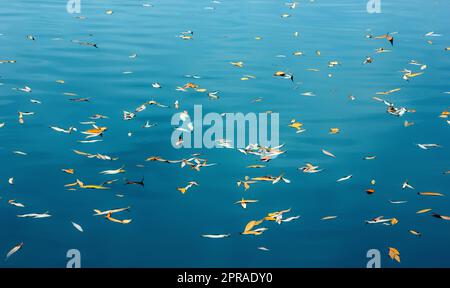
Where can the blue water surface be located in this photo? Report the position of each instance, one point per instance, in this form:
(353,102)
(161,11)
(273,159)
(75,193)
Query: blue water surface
(166,225)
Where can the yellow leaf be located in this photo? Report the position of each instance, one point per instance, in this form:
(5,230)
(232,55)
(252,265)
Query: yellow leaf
(394,254)
(430,194)
(335,130)
(414,232)
(423,211)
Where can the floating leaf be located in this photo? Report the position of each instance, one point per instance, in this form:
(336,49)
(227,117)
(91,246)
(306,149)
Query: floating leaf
(394,254)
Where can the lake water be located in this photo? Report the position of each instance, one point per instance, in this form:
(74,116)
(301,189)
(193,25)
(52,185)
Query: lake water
(166,226)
